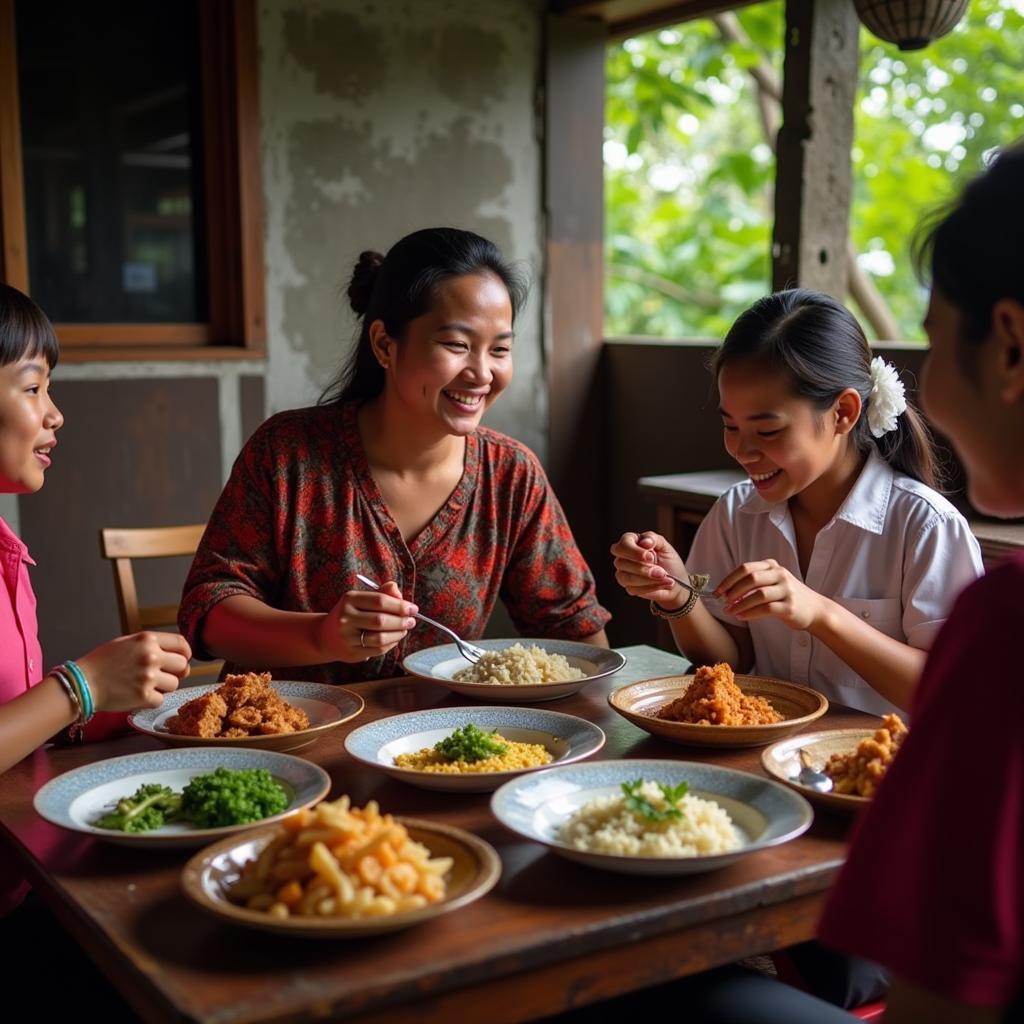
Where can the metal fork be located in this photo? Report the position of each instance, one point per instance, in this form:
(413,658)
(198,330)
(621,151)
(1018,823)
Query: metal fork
(466,649)
(704,595)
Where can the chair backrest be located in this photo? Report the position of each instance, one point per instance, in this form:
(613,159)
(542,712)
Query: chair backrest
(121,546)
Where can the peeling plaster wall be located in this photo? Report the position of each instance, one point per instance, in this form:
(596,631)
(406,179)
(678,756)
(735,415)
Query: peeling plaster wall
(379,119)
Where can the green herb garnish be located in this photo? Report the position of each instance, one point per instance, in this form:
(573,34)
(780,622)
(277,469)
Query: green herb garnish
(641,806)
(147,808)
(470,744)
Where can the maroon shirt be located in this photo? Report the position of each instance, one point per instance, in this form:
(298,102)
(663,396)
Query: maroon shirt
(934,884)
(301,515)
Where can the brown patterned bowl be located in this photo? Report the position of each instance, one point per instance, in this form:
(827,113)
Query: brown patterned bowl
(782,760)
(475,870)
(639,702)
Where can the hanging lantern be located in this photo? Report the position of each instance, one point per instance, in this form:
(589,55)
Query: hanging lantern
(910,24)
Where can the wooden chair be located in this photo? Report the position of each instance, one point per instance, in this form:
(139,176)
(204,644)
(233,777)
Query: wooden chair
(121,546)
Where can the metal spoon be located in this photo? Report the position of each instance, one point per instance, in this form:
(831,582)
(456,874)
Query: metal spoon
(811,777)
(469,651)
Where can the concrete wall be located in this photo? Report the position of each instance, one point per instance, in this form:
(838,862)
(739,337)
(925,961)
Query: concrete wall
(376,119)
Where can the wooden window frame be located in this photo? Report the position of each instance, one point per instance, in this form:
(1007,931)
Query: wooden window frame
(236,328)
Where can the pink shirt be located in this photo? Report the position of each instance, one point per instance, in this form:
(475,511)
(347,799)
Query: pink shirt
(934,884)
(21,659)
(21,663)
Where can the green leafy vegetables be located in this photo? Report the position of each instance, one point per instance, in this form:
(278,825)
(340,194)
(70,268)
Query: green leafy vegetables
(641,806)
(471,744)
(147,808)
(226,796)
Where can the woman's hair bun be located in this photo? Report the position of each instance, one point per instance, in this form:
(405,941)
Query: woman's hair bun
(360,288)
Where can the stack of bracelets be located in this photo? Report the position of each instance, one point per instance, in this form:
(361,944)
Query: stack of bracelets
(698,581)
(76,686)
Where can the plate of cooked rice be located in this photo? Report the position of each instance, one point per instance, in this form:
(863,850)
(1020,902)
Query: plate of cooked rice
(518,671)
(249,710)
(716,708)
(472,749)
(648,817)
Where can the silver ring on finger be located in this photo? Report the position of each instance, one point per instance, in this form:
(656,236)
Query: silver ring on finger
(362,638)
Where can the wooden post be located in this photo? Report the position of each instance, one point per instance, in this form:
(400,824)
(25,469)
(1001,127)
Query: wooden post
(812,191)
(574,275)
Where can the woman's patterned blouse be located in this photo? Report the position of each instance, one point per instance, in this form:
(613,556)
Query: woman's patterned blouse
(301,515)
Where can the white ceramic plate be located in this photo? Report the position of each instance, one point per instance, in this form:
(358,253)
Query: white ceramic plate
(439,665)
(327,708)
(77,798)
(764,812)
(566,737)
(475,869)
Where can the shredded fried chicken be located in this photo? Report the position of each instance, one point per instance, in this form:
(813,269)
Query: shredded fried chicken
(713,698)
(859,773)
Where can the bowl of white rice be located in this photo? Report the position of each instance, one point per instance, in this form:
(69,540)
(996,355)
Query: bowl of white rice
(628,816)
(520,671)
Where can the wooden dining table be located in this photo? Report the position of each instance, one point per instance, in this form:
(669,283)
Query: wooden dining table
(552,935)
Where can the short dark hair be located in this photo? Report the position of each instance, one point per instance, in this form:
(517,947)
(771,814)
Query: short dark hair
(25,330)
(818,345)
(969,249)
(402,285)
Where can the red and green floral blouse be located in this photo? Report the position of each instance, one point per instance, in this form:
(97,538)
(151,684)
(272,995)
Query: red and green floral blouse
(301,515)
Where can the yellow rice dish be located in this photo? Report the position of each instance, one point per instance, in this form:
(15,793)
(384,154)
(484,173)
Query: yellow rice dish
(515,757)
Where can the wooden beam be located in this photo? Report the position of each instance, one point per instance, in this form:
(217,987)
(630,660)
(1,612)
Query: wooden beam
(628,17)
(574,277)
(813,176)
(13,250)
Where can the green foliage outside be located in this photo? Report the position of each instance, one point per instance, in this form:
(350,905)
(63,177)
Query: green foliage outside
(688,168)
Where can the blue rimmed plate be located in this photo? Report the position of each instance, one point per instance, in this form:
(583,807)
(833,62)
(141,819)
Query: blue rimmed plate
(327,708)
(566,737)
(764,812)
(77,798)
(439,665)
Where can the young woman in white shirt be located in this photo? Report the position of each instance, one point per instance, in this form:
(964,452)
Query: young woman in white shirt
(837,561)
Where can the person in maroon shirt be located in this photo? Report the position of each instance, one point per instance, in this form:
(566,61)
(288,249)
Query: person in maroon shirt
(933,884)
(392,476)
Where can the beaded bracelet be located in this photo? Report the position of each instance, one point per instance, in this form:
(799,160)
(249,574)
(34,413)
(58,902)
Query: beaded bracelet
(62,677)
(82,686)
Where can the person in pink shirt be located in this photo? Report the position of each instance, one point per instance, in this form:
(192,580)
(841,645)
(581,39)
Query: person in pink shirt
(126,673)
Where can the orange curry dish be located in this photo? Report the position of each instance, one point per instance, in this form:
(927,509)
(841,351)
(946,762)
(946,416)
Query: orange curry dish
(243,705)
(713,698)
(859,773)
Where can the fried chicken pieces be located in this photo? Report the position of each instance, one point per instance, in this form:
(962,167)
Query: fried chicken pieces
(243,705)
(859,773)
(713,698)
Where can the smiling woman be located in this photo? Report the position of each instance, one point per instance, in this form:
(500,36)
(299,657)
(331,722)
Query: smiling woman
(393,475)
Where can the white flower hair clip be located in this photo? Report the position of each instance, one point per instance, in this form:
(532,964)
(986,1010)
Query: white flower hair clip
(887,400)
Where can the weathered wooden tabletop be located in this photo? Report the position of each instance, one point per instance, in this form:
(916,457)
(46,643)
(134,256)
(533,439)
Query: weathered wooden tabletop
(552,934)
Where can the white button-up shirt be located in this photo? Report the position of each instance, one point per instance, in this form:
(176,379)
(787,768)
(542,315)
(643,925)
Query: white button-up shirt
(896,554)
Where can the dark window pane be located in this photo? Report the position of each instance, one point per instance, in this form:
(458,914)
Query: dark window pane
(111,123)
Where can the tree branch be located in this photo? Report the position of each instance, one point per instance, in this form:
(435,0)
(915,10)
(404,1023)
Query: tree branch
(670,289)
(859,284)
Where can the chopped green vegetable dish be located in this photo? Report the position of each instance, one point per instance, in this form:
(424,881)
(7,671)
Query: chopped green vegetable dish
(642,807)
(226,796)
(229,797)
(147,808)
(470,744)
